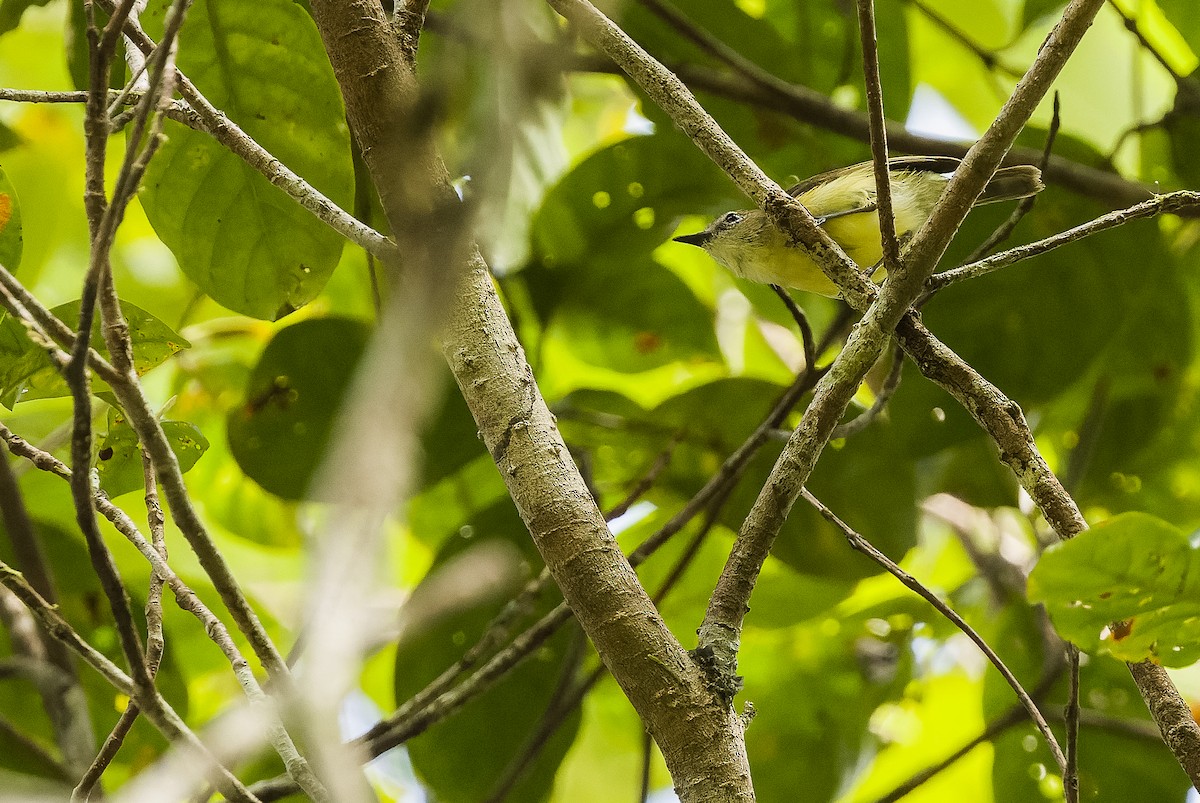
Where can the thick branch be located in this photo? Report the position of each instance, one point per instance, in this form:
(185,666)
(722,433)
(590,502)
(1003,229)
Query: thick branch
(700,739)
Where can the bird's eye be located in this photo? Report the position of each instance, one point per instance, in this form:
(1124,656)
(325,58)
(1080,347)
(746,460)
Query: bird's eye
(729,219)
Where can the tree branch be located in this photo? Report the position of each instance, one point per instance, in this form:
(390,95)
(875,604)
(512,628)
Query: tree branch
(701,741)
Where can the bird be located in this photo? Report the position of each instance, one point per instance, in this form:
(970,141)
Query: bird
(844,203)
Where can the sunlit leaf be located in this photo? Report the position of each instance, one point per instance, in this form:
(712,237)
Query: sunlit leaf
(26,371)
(1129,585)
(119,457)
(243,241)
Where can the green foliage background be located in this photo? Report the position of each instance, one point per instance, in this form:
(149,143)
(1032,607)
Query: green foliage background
(643,346)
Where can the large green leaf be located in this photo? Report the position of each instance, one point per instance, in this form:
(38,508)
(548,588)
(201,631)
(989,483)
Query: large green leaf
(243,241)
(622,201)
(278,435)
(1135,570)
(26,371)
(865,479)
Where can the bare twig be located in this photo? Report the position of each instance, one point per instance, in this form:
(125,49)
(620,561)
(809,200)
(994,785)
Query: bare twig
(806,334)
(864,419)
(155,642)
(1172,202)
(1071,718)
(158,711)
(864,546)
(879,146)
(1005,229)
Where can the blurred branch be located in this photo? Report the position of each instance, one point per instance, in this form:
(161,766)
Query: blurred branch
(65,704)
(1131,25)
(158,711)
(864,546)
(989,58)
(409,22)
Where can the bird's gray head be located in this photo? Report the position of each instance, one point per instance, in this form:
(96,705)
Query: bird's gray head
(724,223)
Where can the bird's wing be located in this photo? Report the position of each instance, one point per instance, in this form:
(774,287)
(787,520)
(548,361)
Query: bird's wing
(915,164)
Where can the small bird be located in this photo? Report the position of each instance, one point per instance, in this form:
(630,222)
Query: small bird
(844,203)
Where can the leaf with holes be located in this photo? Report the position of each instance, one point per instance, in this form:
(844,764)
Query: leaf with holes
(119,459)
(279,432)
(26,371)
(242,240)
(1129,586)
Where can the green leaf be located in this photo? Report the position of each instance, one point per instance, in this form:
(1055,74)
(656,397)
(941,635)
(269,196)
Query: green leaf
(119,457)
(11,240)
(279,433)
(1136,570)
(630,316)
(622,201)
(715,417)
(243,241)
(26,371)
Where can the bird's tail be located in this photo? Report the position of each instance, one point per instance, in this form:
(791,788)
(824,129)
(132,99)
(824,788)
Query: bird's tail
(1009,183)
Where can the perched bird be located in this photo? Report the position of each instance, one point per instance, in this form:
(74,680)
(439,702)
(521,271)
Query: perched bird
(844,203)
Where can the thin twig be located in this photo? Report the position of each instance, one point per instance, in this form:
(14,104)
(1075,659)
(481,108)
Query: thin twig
(646,481)
(647,755)
(879,145)
(861,544)
(1071,718)
(864,419)
(1005,229)
(155,642)
(186,599)
(158,711)
(801,319)
(226,132)
(1171,202)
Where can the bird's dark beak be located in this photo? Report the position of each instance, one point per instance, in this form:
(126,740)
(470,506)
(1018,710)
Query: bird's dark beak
(698,239)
